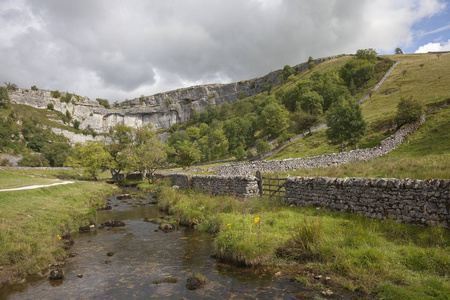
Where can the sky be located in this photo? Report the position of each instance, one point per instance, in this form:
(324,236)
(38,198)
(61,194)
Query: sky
(119,50)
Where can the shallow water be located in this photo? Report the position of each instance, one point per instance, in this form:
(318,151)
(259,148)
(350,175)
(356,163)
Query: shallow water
(142,254)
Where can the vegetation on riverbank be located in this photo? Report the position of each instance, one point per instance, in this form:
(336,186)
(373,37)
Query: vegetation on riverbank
(381,258)
(32,221)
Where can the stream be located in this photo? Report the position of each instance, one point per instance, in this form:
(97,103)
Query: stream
(125,263)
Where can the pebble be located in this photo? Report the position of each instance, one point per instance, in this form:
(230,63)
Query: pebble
(80,275)
(327,292)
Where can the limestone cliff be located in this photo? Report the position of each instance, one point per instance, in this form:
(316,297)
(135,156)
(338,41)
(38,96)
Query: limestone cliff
(162,110)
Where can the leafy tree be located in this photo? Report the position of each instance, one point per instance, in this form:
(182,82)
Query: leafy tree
(275,119)
(305,121)
(311,63)
(34,88)
(357,72)
(57,153)
(398,51)
(4,97)
(345,122)
(92,157)
(311,102)
(120,136)
(239,152)
(367,54)
(287,71)
(185,153)
(408,111)
(291,98)
(330,86)
(262,146)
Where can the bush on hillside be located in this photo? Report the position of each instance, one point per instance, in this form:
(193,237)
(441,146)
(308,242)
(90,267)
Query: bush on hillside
(408,111)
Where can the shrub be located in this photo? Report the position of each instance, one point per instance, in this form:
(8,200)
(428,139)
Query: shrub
(66,98)
(262,146)
(34,88)
(4,97)
(408,111)
(103,102)
(50,106)
(55,94)
(76,124)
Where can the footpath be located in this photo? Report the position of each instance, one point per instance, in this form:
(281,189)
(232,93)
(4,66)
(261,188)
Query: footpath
(32,187)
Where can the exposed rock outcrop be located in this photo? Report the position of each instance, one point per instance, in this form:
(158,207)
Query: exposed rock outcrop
(162,110)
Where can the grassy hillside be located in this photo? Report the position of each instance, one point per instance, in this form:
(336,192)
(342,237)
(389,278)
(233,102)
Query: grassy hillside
(426,153)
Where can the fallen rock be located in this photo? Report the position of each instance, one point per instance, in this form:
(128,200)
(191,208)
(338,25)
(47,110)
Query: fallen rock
(110,253)
(166,280)
(123,196)
(57,274)
(80,275)
(195,281)
(166,227)
(327,292)
(85,228)
(113,224)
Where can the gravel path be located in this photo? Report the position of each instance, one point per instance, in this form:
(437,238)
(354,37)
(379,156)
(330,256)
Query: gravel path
(32,187)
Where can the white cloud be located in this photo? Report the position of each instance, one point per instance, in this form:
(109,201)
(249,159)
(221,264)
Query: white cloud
(121,49)
(434,47)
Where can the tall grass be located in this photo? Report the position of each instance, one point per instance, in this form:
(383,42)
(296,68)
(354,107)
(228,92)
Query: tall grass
(30,222)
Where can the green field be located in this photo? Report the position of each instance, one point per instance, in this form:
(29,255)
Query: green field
(31,220)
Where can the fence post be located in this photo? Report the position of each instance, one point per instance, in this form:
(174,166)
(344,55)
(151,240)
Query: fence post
(260,182)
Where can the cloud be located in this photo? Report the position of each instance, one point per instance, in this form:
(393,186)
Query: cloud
(121,49)
(434,47)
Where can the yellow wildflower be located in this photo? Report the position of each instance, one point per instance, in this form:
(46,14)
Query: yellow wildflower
(228,225)
(256,220)
(59,237)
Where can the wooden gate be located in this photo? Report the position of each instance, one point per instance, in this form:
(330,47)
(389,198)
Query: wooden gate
(271,186)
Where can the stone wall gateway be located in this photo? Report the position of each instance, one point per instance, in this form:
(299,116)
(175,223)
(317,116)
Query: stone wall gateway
(423,202)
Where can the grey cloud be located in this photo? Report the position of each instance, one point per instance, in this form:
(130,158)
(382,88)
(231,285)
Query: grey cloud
(128,48)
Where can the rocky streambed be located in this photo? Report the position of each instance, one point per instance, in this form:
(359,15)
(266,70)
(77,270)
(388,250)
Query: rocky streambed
(135,252)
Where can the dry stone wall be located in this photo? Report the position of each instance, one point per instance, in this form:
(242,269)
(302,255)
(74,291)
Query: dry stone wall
(271,166)
(240,186)
(424,202)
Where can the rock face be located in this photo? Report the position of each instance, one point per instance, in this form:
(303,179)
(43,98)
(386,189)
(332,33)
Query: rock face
(162,110)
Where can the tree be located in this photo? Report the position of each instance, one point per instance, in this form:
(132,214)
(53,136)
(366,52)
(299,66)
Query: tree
(92,157)
(408,111)
(149,157)
(275,119)
(311,63)
(367,54)
(185,153)
(345,122)
(120,137)
(357,72)
(57,153)
(11,86)
(4,97)
(311,102)
(287,71)
(305,121)
(398,51)
(262,146)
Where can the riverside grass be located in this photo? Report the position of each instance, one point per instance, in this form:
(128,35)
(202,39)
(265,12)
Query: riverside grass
(383,259)
(30,222)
